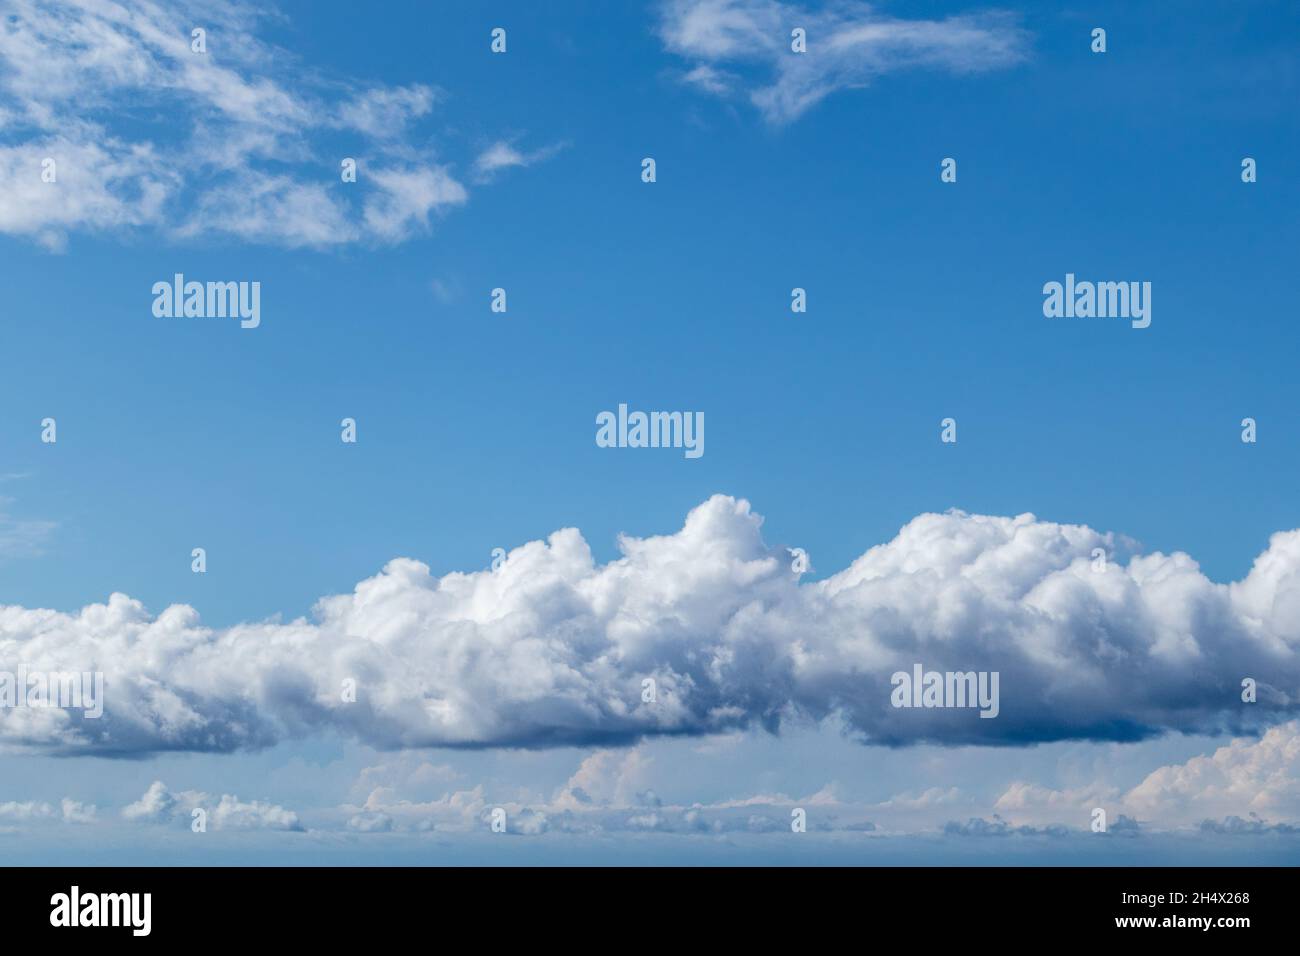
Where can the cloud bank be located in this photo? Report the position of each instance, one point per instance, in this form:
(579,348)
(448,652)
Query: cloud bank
(848,44)
(1249,786)
(553,649)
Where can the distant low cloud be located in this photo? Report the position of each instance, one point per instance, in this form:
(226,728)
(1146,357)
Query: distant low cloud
(25,810)
(227,812)
(1252,826)
(997,827)
(744,46)
(606,794)
(1246,788)
(76,812)
(68,811)
(1259,778)
(1250,785)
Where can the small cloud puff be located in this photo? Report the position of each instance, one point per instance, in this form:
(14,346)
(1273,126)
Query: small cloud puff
(159,805)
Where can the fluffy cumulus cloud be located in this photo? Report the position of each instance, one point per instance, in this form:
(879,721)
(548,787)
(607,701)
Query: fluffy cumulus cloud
(68,811)
(744,47)
(1250,785)
(25,810)
(159,805)
(553,649)
(1257,778)
(145,132)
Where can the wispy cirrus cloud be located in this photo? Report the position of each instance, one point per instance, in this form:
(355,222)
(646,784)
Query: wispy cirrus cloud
(743,47)
(503,154)
(240,140)
(21,537)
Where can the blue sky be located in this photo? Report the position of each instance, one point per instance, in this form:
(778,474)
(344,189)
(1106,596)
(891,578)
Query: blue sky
(475,429)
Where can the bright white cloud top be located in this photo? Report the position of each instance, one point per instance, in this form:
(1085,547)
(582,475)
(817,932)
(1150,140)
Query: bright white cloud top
(552,648)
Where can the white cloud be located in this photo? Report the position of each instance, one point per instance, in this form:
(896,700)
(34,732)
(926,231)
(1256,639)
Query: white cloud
(503,155)
(607,778)
(1249,786)
(933,797)
(29,810)
(156,805)
(77,812)
(1254,781)
(405,198)
(101,184)
(1244,777)
(711,80)
(234,814)
(384,112)
(371,823)
(848,45)
(160,805)
(274,209)
(552,649)
(408,772)
(69,811)
(599,798)
(147,134)
(385,810)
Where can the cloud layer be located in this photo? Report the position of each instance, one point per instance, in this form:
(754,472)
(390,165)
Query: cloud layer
(553,649)
(848,44)
(1248,786)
